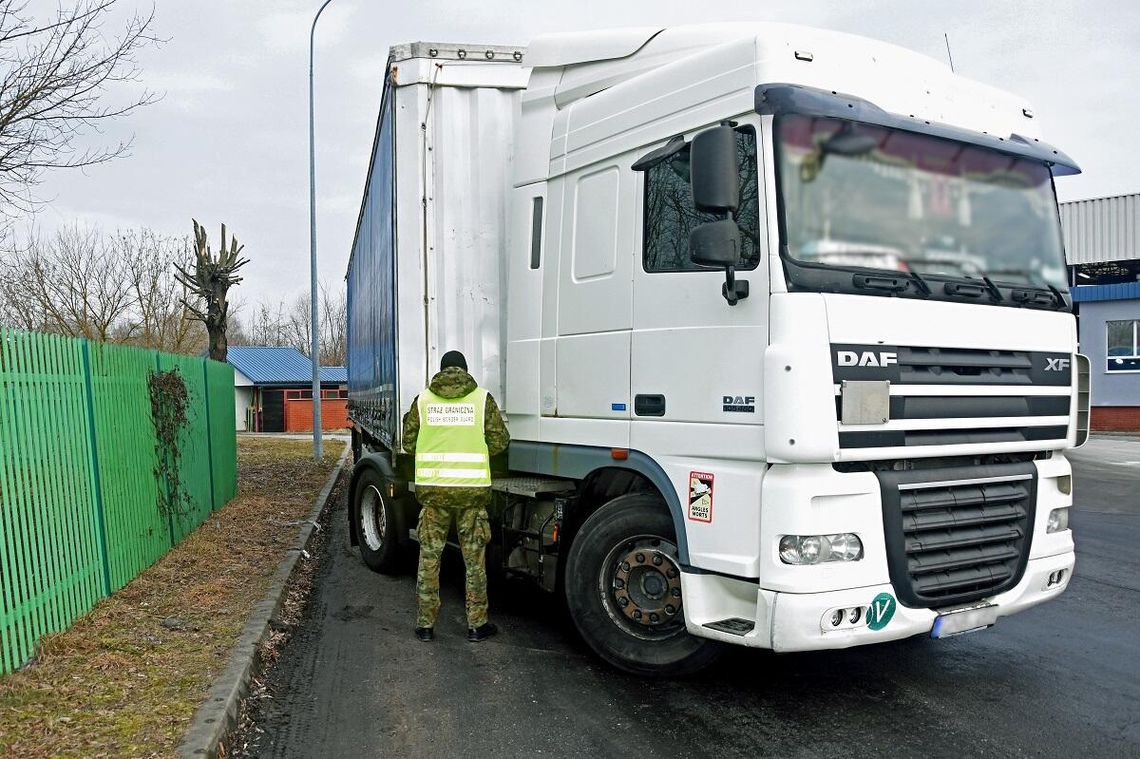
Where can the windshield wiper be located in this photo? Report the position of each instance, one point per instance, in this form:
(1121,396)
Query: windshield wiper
(1031,292)
(994,291)
(920,282)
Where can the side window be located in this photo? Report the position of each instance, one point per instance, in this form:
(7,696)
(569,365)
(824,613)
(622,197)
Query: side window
(670,215)
(536,233)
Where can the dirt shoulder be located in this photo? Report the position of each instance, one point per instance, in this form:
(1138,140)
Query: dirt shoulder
(126,678)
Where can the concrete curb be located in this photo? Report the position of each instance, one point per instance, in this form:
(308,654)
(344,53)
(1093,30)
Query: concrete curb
(217,716)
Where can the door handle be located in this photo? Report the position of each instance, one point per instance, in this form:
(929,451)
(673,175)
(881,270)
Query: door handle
(649,405)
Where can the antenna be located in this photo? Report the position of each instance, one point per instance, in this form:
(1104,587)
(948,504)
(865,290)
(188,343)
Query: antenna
(946,37)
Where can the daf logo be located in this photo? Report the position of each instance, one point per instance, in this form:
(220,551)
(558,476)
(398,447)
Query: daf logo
(1056,364)
(867,358)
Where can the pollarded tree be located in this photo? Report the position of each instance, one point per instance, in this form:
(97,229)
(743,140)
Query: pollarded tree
(208,284)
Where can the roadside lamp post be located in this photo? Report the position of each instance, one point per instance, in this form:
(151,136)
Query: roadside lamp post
(314,336)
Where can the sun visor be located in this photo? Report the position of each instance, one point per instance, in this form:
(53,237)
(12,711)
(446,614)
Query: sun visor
(781,99)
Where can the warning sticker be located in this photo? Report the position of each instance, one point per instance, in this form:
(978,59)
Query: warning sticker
(451,414)
(700,496)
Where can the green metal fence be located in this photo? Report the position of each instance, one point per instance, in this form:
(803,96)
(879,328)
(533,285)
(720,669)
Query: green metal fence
(79,481)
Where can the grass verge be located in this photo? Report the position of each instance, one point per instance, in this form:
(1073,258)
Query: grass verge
(125,679)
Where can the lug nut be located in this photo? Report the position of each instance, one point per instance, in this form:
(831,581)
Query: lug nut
(676,592)
(623,601)
(619,583)
(657,560)
(671,573)
(640,558)
(654,618)
(637,613)
(670,610)
(625,566)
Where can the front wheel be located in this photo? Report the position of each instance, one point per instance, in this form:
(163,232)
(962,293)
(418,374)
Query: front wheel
(623,589)
(375,523)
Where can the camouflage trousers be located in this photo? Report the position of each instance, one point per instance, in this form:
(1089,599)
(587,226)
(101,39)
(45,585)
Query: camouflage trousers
(474,532)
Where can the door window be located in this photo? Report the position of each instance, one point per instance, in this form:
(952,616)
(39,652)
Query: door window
(670,215)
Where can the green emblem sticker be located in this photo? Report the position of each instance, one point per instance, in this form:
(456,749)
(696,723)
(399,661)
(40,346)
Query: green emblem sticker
(880,611)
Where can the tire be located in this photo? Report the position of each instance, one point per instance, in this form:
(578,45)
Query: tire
(604,592)
(375,521)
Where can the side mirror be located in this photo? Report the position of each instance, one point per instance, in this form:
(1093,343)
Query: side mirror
(714,172)
(714,175)
(716,244)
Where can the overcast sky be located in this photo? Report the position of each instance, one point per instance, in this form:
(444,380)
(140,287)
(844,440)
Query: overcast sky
(229,140)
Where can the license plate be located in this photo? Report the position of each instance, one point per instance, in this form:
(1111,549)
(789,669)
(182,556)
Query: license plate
(964,621)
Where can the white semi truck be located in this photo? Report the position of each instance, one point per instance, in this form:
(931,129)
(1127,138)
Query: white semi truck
(778,318)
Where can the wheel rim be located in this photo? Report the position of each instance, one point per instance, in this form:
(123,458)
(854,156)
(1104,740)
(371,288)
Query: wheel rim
(640,583)
(373,520)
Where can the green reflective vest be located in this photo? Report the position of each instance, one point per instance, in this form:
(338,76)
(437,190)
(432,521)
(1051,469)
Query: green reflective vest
(451,449)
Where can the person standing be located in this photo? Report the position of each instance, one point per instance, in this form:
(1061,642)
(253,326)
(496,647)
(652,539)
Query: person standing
(454,427)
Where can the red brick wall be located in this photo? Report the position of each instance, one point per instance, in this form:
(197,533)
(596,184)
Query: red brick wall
(299,414)
(1116,418)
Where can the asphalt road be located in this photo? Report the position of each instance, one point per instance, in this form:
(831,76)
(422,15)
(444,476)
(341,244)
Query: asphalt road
(1062,679)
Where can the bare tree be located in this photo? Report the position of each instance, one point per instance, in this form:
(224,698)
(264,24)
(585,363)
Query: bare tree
(208,286)
(265,327)
(117,287)
(72,283)
(55,77)
(298,325)
(287,326)
(334,327)
(162,320)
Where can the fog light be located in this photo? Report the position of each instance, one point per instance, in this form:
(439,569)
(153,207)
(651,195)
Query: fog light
(837,618)
(1065,484)
(1058,520)
(816,549)
(855,614)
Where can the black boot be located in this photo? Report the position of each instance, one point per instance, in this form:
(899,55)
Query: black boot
(425,633)
(482,632)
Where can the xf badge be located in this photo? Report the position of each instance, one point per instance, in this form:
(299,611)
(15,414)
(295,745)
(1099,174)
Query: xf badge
(1057,364)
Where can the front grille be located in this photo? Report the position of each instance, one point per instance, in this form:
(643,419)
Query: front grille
(957,535)
(974,436)
(973,367)
(910,365)
(950,396)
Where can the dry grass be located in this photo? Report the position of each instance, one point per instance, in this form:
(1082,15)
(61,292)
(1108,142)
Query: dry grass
(120,682)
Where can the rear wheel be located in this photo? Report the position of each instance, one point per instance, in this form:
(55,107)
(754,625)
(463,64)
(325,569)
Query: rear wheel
(623,589)
(376,523)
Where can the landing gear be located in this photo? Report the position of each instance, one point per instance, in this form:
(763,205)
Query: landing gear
(623,588)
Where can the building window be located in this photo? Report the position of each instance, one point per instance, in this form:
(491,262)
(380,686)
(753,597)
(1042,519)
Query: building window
(670,215)
(1123,345)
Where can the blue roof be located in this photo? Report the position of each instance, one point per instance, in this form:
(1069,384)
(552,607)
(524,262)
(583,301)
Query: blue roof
(1123,291)
(280,366)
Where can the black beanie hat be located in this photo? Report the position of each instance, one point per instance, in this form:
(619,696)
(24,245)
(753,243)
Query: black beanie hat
(453,358)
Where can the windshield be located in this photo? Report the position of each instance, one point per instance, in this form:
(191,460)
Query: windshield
(856,195)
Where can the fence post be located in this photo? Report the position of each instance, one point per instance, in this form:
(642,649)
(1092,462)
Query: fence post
(209,430)
(96,478)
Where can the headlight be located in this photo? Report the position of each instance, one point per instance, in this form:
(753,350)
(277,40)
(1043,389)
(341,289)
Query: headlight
(1058,520)
(816,549)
